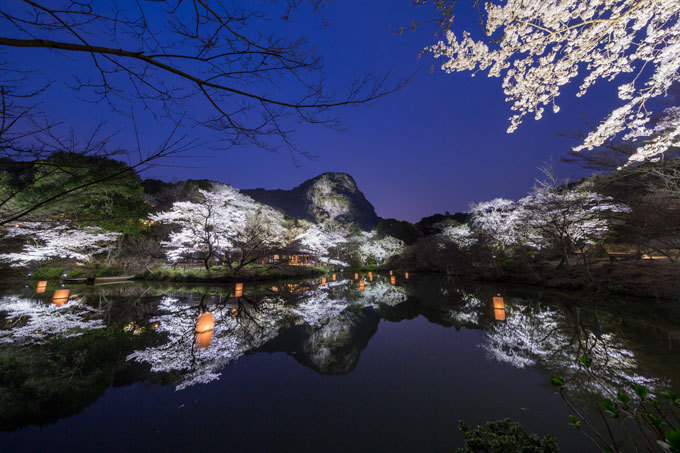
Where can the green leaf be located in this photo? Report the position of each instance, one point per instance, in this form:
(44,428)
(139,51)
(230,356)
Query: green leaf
(610,407)
(557,381)
(623,398)
(586,361)
(673,439)
(672,396)
(641,390)
(574,421)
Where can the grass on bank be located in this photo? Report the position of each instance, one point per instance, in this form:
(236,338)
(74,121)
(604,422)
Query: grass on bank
(223,273)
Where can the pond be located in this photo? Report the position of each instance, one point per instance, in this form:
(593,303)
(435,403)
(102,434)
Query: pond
(338,365)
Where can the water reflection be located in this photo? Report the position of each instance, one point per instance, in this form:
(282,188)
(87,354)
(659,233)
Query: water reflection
(186,336)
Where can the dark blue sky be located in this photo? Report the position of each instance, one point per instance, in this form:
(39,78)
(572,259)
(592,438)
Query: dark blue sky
(435,146)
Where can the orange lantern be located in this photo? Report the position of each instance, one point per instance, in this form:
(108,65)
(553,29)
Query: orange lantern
(60,297)
(205,322)
(393,280)
(203,339)
(406,275)
(334,277)
(370,276)
(362,285)
(498,303)
(234,312)
(390,272)
(42,285)
(239,290)
(323,281)
(499,314)
(356,276)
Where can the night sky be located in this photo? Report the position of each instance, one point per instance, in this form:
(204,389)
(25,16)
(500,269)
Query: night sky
(435,146)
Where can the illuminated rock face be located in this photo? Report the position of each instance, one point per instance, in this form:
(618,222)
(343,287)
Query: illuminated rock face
(328,196)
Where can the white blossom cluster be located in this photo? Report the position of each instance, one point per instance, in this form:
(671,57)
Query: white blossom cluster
(31,321)
(459,234)
(543,45)
(378,248)
(321,238)
(218,222)
(46,241)
(545,216)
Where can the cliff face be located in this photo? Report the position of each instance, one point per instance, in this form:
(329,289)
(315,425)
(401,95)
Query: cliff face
(327,196)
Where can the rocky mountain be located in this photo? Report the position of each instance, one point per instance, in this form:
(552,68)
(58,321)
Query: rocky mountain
(327,196)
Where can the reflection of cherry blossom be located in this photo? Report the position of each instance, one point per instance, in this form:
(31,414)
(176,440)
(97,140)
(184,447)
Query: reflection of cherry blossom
(32,321)
(532,336)
(232,337)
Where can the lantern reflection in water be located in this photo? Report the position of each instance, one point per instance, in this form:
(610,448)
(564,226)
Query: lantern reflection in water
(362,285)
(60,297)
(42,286)
(334,277)
(323,281)
(391,273)
(203,339)
(393,280)
(356,276)
(498,309)
(406,275)
(370,276)
(205,322)
(238,292)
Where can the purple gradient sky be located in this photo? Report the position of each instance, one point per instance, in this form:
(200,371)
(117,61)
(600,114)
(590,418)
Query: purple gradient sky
(435,146)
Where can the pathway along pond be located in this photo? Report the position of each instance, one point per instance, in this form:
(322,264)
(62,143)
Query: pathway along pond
(307,366)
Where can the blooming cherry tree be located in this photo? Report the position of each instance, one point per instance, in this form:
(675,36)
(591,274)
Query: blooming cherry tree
(376,248)
(320,239)
(46,241)
(538,46)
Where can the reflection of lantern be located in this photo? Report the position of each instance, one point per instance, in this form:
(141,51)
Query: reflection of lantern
(203,339)
(323,281)
(234,312)
(393,280)
(362,285)
(205,322)
(498,309)
(155,325)
(370,275)
(42,285)
(239,290)
(391,273)
(275,288)
(334,277)
(60,297)
(406,275)
(276,257)
(356,276)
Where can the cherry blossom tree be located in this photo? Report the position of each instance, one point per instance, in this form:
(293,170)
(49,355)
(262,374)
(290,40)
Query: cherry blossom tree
(498,220)
(373,246)
(46,241)
(539,46)
(321,239)
(222,221)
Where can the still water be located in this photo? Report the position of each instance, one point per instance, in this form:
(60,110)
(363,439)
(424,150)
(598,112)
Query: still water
(311,366)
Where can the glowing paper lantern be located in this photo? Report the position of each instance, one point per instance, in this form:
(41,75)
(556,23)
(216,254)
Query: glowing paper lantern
(498,309)
(42,285)
(60,297)
(323,281)
(356,276)
(406,275)
(205,322)
(393,280)
(334,277)
(370,275)
(238,292)
(390,272)
(203,339)
(275,288)
(362,285)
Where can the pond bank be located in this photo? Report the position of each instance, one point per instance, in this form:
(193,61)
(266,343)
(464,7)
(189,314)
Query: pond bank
(643,278)
(220,274)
